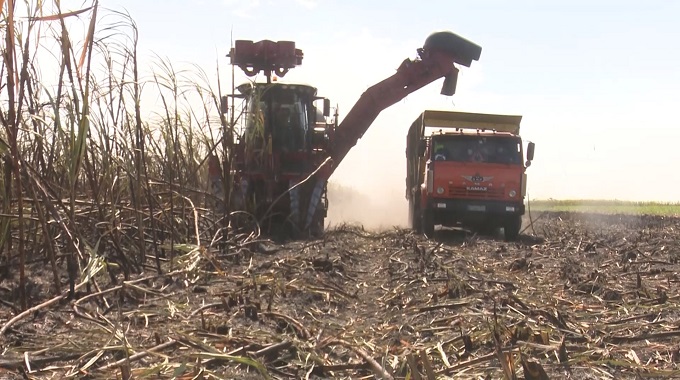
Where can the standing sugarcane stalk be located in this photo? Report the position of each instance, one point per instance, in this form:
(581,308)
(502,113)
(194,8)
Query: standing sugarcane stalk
(80,120)
(12,129)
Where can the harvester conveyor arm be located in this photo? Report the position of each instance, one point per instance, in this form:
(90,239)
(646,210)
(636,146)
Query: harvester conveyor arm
(437,60)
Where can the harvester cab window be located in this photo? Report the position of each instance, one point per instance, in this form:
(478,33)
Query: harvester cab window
(301,125)
(289,127)
(254,133)
(283,117)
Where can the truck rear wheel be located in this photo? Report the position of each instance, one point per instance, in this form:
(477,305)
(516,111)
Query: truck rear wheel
(512,227)
(416,223)
(414,214)
(427,223)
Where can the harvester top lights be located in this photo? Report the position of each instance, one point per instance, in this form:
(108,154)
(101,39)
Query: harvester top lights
(267,56)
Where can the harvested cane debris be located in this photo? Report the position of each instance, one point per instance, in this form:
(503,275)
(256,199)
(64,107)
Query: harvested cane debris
(590,296)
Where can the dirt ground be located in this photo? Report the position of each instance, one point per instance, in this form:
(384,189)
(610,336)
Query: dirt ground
(580,296)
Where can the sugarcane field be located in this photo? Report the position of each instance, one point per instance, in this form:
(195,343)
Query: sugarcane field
(310,190)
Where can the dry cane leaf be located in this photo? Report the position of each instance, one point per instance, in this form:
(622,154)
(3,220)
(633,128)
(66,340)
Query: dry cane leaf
(633,356)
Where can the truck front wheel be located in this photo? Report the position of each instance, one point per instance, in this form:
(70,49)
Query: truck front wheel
(486,229)
(512,227)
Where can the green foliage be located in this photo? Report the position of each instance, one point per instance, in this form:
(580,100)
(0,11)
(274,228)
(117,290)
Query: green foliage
(607,206)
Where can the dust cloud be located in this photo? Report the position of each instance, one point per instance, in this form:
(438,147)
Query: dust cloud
(348,205)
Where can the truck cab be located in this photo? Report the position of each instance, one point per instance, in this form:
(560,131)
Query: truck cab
(466,169)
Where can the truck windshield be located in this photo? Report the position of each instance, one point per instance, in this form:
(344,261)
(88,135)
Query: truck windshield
(489,149)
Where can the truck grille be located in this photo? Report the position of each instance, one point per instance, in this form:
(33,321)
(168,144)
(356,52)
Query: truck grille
(490,193)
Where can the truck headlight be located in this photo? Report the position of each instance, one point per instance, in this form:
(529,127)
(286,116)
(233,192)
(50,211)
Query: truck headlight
(440,190)
(512,193)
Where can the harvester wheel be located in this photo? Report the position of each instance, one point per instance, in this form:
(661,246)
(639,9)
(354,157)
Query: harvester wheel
(512,227)
(316,229)
(427,223)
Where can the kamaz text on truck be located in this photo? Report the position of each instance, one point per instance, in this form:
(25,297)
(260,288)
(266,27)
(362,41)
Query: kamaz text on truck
(466,169)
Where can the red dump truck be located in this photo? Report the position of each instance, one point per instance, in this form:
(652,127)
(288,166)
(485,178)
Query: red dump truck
(466,169)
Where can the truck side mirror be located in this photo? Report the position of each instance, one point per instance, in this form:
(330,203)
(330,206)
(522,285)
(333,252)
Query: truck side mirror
(224,104)
(530,151)
(421,148)
(326,107)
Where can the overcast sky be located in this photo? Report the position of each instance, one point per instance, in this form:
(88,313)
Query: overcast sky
(595,81)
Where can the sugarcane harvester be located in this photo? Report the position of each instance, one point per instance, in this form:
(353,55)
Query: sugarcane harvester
(289,148)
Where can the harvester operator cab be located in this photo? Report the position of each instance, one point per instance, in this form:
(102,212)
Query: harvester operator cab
(284,113)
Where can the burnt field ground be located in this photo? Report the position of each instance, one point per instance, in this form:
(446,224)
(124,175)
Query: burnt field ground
(580,296)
